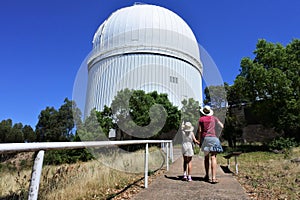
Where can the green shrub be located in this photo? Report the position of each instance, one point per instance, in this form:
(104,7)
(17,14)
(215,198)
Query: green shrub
(58,157)
(282,143)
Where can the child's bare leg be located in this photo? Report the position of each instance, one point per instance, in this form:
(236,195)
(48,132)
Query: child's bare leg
(185,165)
(189,165)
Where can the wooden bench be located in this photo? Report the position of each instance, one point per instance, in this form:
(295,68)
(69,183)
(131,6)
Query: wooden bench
(228,156)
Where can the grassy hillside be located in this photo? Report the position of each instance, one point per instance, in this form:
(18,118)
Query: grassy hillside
(267,175)
(85,180)
(264,175)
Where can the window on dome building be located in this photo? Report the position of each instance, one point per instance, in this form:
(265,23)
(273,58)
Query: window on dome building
(173,79)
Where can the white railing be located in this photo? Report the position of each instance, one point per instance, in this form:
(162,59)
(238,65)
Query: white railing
(45,146)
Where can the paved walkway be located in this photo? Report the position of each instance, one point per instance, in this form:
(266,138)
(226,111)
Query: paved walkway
(170,186)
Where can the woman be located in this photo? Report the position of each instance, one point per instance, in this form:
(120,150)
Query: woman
(188,138)
(210,143)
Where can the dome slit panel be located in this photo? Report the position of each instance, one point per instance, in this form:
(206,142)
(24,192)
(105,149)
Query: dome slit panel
(149,32)
(105,38)
(101,39)
(166,29)
(116,32)
(127,30)
(170,43)
(122,28)
(110,32)
(161,27)
(152,17)
(135,26)
(151,22)
(142,28)
(156,26)
(175,25)
(180,35)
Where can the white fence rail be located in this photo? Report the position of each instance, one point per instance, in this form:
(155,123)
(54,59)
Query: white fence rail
(46,146)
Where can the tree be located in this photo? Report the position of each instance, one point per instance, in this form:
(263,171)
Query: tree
(91,129)
(233,128)
(215,96)
(56,125)
(46,128)
(65,119)
(173,115)
(270,84)
(28,134)
(5,130)
(190,111)
(11,133)
(144,115)
(16,133)
(59,125)
(105,120)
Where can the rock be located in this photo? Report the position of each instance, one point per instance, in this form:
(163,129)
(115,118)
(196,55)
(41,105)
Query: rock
(296,160)
(277,151)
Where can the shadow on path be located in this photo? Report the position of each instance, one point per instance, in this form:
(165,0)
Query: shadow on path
(170,185)
(180,178)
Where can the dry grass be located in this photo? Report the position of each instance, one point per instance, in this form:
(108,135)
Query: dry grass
(264,175)
(90,180)
(267,175)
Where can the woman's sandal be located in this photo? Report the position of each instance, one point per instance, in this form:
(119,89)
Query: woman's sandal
(214,181)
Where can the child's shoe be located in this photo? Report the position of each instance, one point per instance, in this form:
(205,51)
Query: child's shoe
(189,179)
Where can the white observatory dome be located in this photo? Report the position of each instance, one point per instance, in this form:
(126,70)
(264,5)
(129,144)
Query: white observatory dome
(145,28)
(143,47)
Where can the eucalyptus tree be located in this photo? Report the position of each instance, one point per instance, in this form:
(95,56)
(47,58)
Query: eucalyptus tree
(144,115)
(190,111)
(56,125)
(270,84)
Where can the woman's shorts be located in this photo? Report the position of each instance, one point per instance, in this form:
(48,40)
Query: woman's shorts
(211,144)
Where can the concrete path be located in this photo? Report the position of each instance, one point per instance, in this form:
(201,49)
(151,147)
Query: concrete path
(170,186)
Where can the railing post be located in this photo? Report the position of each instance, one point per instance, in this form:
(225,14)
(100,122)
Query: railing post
(168,155)
(171,151)
(236,165)
(36,176)
(163,146)
(228,163)
(146,165)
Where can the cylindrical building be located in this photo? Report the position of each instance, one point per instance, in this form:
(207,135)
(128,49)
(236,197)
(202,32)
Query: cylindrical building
(143,47)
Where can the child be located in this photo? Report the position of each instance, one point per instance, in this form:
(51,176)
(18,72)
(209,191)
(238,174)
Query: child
(188,138)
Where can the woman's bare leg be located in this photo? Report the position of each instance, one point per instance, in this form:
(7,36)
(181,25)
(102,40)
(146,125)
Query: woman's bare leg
(206,165)
(213,165)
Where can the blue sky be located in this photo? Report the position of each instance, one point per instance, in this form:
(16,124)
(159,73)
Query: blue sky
(43,43)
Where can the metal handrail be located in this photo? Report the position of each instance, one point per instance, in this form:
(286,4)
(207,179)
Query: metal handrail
(41,147)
